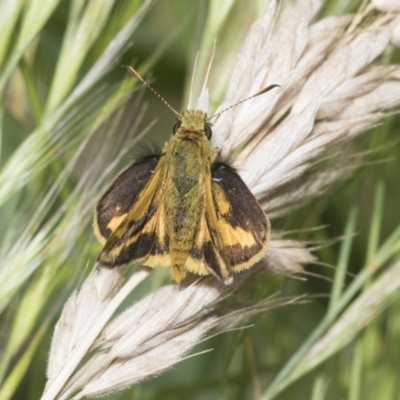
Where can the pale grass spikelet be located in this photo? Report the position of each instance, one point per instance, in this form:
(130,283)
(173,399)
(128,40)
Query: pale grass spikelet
(153,334)
(330,91)
(87,304)
(395,31)
(386,5)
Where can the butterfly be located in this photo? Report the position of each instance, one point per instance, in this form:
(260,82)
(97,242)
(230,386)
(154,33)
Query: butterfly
(184,208)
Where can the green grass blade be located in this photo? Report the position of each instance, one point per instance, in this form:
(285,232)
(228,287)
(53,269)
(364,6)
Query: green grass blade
(344,257)
(80,36)
(36,14)
(10,11)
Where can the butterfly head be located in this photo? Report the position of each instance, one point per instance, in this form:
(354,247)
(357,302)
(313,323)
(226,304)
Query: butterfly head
(194,121)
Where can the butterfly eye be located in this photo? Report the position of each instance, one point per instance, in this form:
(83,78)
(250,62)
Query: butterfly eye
(176,127)
(207,131)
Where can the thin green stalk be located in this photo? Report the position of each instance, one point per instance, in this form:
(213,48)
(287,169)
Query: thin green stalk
(376,222)
(320,387)
(33,95)
(362,343)
(356,371)
(344,257)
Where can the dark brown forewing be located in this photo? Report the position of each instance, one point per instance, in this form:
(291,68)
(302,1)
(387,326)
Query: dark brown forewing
(140,234)
(121,196)
(242,225)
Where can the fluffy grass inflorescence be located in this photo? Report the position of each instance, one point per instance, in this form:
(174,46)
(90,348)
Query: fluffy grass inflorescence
(338,77)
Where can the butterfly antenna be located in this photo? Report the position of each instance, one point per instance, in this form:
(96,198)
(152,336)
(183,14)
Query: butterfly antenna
(267,89)
(135,73)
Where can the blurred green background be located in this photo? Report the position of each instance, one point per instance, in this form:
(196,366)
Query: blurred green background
(60,149)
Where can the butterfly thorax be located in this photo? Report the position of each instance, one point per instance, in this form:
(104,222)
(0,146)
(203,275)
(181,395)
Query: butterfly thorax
(188,156)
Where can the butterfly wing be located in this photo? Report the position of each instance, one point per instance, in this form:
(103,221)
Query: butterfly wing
(233,232)
(130,218)
(242,226)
